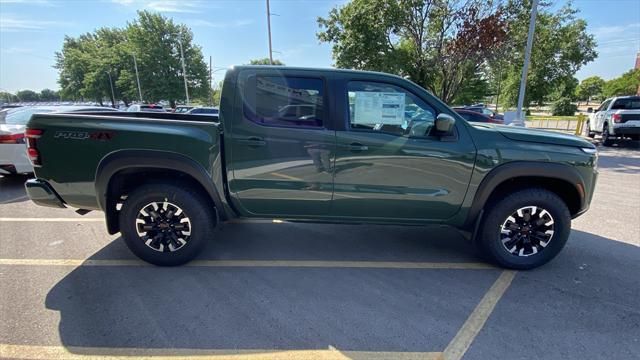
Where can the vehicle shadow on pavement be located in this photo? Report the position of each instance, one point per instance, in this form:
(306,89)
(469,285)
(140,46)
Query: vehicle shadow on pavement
(279,308)
(350,309)
(12,189)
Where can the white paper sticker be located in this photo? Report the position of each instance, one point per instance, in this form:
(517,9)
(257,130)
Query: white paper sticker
(386,108)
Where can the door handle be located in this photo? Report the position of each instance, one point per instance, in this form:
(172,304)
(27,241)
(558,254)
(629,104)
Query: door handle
(252,141)
(357,147)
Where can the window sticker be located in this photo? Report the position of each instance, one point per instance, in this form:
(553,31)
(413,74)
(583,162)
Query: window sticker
(386,108)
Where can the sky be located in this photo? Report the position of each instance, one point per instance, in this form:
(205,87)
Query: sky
(233,32)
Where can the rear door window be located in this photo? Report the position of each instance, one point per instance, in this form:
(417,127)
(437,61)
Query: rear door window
(285,101)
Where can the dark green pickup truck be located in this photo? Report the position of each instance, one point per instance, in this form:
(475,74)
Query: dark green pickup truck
(319,145)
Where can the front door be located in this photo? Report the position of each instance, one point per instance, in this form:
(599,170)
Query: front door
(389,162)
(281,149)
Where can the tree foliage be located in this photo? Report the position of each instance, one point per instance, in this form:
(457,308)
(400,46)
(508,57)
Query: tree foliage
(265,61)
(438,44)
(462,50)
(627,84)
(589,88)
(93,64)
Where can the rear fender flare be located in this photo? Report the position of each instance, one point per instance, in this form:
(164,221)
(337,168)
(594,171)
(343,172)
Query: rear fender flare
(149,159)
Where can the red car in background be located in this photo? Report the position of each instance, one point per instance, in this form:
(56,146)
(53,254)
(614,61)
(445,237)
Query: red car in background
(478,117)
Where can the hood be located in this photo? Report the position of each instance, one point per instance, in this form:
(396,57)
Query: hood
(518,133)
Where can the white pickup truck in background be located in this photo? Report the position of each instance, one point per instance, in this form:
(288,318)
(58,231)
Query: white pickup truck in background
(616,118)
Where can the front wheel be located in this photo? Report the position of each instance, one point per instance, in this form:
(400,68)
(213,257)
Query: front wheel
(525,229)
(166,224)
(606,137)
(588,130)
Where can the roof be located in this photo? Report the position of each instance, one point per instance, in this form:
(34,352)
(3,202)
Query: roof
(284,67)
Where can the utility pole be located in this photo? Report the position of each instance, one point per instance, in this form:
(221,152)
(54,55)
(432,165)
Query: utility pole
(525,66)
(269,31)
(210,102)
(184,72)
(113,95)
(135,64)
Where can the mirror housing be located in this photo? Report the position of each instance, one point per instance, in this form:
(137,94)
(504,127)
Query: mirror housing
(445,124)
(589,110)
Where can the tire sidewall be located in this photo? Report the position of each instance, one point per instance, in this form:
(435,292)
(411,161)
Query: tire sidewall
(490,237)
(200,216)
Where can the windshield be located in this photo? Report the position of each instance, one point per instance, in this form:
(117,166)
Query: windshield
(20,117)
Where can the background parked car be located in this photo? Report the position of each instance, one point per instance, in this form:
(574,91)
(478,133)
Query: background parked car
(182,109)
(204,111)
(146,108)
(478,117)
(13,150)
(616,118)
(482,110)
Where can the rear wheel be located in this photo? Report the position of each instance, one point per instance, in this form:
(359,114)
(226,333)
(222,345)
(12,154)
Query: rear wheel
(166,224)
(606,137)
(525,229)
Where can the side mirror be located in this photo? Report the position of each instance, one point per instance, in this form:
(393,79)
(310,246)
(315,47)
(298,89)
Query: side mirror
(590,110)
(445,124)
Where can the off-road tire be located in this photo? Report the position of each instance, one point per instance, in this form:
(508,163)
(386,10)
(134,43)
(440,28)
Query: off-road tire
(588,131)
(490,239)
(606,137)
(193,205)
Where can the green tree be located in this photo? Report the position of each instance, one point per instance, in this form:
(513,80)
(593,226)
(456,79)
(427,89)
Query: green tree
(27,95)
(265,61)
(7,97)
(156,41)
(436,43)
(561,46)
(627,84)
(49,95)
(589,88)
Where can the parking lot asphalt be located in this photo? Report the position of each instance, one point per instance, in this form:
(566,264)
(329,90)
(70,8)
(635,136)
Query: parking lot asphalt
(265,290)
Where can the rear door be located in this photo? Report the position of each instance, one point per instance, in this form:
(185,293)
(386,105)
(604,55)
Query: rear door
(389,162)
(281,146)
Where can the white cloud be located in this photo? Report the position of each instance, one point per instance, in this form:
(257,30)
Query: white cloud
(218,25)
(616,31)
(10,22)
(172,6)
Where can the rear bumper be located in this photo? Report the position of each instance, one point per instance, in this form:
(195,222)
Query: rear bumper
(626,129)
(41,193)
(14,155)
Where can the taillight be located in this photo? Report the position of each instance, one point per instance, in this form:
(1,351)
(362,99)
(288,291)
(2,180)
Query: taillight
(616,118)
(12,139)
(32,135)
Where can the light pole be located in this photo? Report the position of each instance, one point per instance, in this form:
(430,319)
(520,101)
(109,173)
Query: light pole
(269,31)
(525,66)
(135,64)
(184,72)
(113,95)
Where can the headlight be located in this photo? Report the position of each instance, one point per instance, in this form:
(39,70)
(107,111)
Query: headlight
(590,151)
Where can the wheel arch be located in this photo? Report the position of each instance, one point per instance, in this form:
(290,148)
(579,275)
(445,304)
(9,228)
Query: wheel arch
(123,170)
(562,179)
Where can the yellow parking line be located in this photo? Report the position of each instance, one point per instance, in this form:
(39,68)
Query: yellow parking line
(90,353)
(7,219)
(465,336)
(259,263)
(285,176)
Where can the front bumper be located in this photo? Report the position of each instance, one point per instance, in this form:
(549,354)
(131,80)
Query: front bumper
(41,193)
